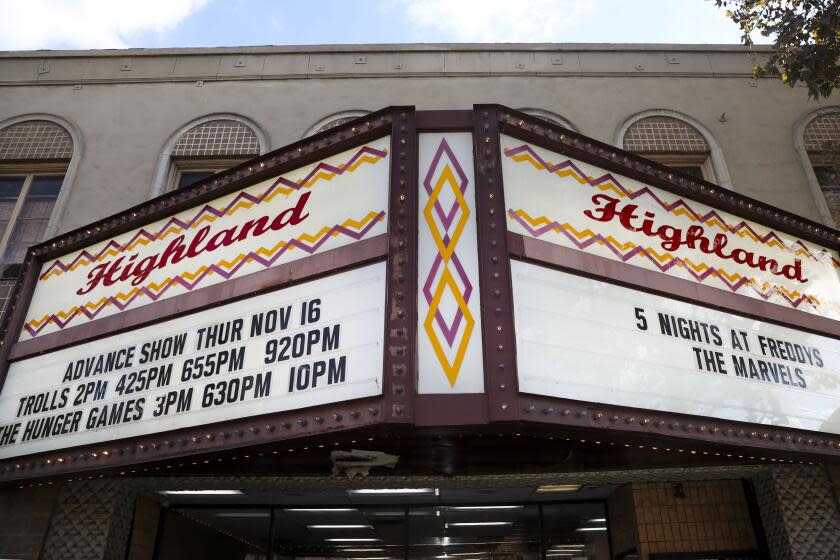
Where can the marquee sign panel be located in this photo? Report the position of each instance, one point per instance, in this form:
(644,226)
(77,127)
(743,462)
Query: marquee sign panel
(565,201)
(583,339)
(315,343)
(449,316)
(263,309)
(325,205)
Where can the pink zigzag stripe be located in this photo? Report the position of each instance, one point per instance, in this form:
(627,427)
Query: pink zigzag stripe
(177,280)
(819,257)
(207,209)
(624,257)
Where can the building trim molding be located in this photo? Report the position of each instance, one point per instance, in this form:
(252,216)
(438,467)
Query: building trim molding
(810,176)
(722,177)
(164,160)
(69,176)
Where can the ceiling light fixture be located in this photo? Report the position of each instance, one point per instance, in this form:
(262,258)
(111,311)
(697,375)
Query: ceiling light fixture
(559,488)
(478,523)
(339,527)
(201,492)
(319,510)
(393,491)
(591,529)
(466,508)
(352,540)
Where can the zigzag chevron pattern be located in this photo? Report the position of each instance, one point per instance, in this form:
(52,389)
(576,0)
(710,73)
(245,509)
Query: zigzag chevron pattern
(680,207)
(586,238)
(356,229)
(322,171)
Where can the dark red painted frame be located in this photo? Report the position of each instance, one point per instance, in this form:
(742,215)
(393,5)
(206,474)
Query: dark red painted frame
(497,245)
(395,248)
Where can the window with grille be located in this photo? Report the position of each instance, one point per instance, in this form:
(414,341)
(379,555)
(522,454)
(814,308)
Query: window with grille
(209,148)
(34,156)
(822,143)
(673,143)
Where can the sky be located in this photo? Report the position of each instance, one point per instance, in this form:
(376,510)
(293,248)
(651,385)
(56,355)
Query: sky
(100,24)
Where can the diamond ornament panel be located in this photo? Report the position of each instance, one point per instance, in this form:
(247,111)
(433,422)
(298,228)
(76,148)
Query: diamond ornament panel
(449,345)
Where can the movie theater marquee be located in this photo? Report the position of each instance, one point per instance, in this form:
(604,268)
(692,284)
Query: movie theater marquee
(397,268)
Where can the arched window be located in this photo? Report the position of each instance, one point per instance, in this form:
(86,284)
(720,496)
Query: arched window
(549,116)
(334,120)
(677,141)
(821,143)
(204,147)
(34,158)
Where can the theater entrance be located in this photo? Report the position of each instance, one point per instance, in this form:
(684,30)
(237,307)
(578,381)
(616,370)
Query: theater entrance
(560,522)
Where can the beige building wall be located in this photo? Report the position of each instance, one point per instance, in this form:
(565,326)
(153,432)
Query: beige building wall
(126,105)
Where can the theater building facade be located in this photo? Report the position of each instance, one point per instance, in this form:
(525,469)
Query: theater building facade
(380,302)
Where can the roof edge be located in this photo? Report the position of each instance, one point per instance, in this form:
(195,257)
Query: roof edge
(391,47)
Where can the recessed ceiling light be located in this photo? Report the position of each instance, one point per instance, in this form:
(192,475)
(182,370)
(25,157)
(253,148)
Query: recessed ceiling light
(201,492)
(478,523)
(598,520)
(319,510)
(401,513)
(339,527)
(485,507)
(591,529)
(352,540)
(393,491)
(558,488)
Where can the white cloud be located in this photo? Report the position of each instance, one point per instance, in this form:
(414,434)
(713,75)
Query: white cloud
(86,24)
(527,21)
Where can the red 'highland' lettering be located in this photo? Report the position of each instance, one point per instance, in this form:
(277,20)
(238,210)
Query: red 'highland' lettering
(694,237)
(122,269)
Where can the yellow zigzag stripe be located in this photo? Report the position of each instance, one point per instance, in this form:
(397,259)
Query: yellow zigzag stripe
(246,204)
(664,257)
(610,186)
(157,287)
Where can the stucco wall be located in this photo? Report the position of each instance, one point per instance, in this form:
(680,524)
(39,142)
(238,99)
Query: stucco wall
(126,117)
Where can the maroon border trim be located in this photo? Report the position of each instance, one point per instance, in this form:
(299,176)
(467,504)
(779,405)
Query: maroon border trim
(500,377)
(400,326)
(185,442)
(451,410)
(399,402)
(282,276)
(600,268)
(280,161)
(444,121)
(396,121)
(277,162)
(598,416)
(558,139)
(610,417)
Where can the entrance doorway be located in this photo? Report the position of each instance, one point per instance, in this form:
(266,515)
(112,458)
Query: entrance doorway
(377,524)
